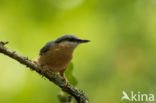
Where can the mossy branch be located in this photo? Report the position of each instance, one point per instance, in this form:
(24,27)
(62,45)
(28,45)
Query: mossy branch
(78,94)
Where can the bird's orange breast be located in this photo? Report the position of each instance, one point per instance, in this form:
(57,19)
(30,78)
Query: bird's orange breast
(57,58)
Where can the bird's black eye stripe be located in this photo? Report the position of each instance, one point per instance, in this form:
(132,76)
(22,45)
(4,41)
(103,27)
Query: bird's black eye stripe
(71,39)
(68,39)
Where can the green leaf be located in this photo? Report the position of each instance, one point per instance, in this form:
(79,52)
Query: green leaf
(69,74)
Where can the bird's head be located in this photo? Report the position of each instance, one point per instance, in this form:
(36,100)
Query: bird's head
(70,41)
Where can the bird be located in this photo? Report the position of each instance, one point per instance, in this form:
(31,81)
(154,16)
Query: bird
(57,54)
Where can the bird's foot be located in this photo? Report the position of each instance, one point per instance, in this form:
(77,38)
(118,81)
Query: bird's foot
(66,80)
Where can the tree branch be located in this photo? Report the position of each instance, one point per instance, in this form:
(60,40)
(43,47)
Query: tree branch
(78,94)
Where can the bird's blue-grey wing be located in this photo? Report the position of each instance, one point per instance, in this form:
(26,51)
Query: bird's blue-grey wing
(47,47)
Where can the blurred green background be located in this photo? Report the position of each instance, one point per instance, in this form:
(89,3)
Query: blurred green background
(121,54)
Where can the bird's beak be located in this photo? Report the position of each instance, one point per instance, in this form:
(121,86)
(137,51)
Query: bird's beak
(83,41)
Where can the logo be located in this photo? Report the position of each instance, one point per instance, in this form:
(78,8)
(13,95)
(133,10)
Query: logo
(140,97)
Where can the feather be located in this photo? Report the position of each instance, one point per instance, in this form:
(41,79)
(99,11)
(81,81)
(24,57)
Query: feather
(47,46)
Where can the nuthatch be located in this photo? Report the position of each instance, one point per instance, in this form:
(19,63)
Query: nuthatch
(57,54)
